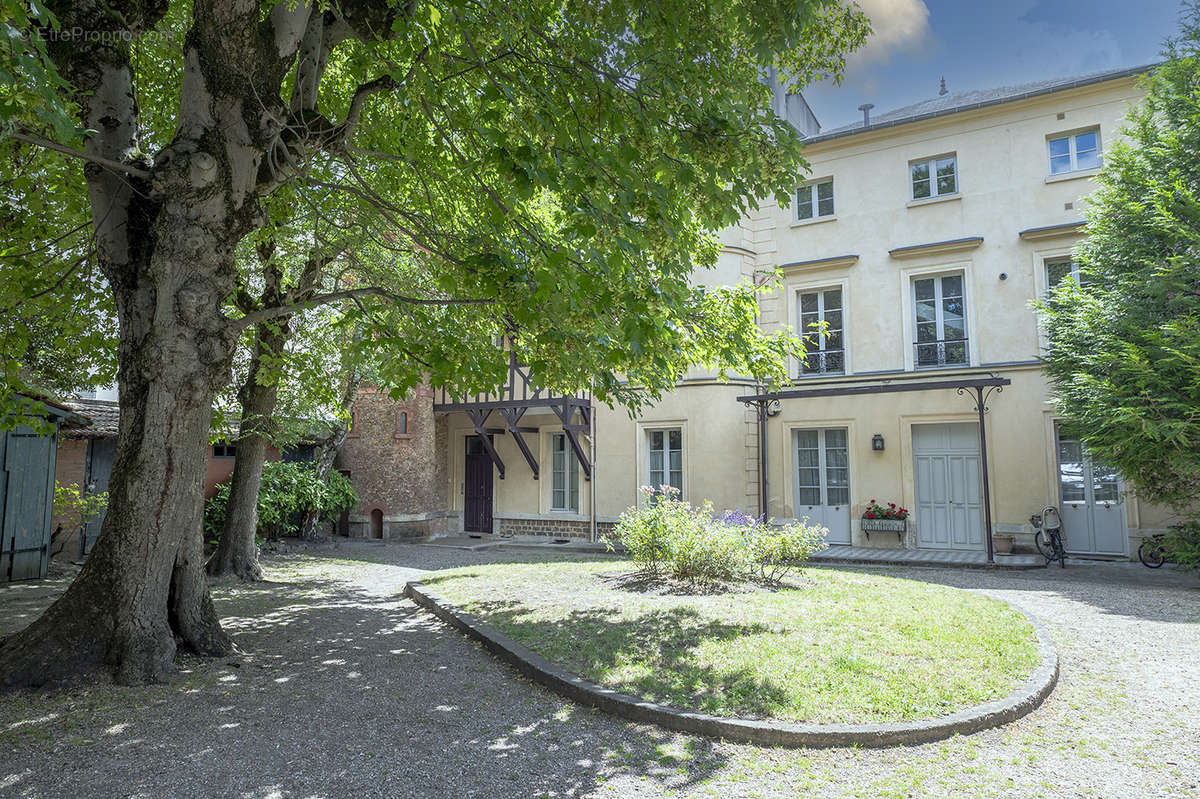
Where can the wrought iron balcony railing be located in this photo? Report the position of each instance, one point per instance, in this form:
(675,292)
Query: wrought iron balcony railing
(824,362)
(943,352)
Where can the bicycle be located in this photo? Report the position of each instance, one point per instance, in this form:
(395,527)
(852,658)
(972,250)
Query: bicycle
(1153,552)
(1048,537)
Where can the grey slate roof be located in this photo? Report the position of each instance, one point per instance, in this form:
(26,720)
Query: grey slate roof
(955,102)
(102,416)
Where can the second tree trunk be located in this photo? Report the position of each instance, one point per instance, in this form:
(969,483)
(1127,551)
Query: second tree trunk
(237,553)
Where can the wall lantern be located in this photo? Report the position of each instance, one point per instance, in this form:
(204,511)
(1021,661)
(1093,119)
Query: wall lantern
(877,442)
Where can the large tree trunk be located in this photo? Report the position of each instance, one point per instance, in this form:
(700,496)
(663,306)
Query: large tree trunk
(143,588)
(236,552)
(165,235)
(166,246)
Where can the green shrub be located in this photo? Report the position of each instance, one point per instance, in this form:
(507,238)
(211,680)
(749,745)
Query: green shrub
(644,532)
(777,550)
(1182,545)
(668,536)
(289,489)
(74,508)
(705,550)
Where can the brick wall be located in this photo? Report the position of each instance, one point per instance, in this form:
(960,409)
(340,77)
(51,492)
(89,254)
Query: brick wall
(219,470)
(393,465)
(71,468)
(551,527)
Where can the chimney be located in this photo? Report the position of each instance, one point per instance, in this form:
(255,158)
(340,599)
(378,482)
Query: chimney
(943,90)
(866,109)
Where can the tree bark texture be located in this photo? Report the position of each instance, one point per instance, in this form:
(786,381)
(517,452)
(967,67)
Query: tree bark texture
(143,588)
(166,246)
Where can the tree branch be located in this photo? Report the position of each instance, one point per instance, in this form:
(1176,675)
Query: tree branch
(382,83)
(349,294)
(107,163)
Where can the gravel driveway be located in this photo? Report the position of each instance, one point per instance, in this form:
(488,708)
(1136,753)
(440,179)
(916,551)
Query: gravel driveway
(344,689)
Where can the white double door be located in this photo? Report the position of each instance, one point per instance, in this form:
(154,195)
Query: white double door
(822,480)
(1091,502)
(949,507)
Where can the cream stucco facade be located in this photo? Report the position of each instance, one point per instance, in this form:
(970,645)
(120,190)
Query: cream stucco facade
(990,238)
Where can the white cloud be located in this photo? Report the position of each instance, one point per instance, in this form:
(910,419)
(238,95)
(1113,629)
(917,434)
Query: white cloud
(897,26)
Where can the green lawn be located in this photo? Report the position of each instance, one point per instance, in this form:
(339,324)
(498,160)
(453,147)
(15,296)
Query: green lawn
(832,646)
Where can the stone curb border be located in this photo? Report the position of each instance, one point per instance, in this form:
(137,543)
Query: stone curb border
(1025,699)
(819,559)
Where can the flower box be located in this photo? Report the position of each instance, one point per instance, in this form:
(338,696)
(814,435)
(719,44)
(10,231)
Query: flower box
(884,525)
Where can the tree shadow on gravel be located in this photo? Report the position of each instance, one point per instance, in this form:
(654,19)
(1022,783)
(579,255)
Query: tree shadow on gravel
(337,691)
(650,655)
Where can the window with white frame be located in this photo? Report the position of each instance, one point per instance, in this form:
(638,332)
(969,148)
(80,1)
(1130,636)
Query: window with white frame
(823,467)
(1072,152)
(1060,269)
(941,321)
(564,475)
(934,177)
(823,330)
(666,458)
(814,200)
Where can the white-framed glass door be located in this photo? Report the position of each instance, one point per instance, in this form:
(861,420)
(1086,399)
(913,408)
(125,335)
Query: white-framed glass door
(940,318)
(824,347)
(1091,501)
(822,480)
(666,458)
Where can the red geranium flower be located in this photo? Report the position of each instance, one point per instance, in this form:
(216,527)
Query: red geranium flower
(870,515)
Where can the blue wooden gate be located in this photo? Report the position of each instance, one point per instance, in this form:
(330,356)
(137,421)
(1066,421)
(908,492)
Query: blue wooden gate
(27,461)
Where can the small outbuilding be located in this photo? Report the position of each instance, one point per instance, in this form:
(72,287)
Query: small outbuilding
(28,458)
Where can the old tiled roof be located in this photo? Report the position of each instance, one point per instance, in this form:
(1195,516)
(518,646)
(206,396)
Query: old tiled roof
(978,98)
(102,416)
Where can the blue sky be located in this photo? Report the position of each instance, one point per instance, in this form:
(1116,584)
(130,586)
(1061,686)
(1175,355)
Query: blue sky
(979,44)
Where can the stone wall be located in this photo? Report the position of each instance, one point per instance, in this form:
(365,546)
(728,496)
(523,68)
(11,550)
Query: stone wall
(390,453)
(408,525)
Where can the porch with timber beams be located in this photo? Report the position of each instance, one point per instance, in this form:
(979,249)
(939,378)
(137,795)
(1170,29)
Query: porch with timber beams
(519,396)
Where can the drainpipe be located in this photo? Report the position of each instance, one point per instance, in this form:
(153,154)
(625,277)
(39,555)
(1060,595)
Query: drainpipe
(762,461)
(592,455)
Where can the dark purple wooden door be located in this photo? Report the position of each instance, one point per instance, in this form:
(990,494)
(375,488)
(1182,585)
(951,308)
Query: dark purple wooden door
(477,489)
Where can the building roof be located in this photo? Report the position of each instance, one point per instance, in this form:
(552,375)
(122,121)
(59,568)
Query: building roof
(39,403)
(955,102)
(102,417)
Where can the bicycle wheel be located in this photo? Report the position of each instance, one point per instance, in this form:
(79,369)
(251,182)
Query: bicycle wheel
(1044,545)
(1151,556)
